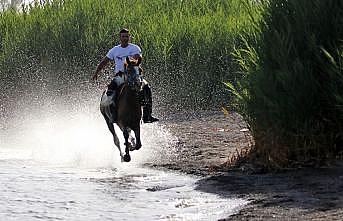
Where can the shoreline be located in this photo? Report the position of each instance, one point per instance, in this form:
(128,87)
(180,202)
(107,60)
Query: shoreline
(204,141)
(207,140)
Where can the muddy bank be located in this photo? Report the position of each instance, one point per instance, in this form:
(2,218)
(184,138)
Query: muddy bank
(204,140)
(207,139)
(303,194)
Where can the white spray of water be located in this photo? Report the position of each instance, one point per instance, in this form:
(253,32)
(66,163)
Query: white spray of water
(76,138)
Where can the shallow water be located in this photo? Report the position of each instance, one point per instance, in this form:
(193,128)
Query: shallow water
(66,168)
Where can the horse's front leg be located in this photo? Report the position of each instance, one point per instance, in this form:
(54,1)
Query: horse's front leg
(132,141)
(127,157)
(138,138)
(115,138)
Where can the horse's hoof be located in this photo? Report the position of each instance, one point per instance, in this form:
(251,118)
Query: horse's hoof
(127,158)
(137,147)
(131,148)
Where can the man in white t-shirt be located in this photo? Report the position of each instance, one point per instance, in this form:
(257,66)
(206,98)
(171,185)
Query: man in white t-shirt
(118,54)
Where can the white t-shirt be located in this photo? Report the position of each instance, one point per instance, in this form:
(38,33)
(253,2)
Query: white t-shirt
(119,54)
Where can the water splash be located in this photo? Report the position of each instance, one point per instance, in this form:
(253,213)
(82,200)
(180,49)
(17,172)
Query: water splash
(77,138)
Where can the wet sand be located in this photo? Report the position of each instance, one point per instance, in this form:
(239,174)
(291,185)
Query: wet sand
(206,140)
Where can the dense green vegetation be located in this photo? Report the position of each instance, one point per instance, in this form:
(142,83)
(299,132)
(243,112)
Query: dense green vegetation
(187,45)
(291,92)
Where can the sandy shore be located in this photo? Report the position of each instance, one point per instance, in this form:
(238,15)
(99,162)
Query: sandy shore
(208,139)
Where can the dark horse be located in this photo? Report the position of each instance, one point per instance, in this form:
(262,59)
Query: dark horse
(129,112)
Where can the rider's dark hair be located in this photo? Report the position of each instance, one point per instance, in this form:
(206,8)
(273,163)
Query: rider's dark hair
(124,30)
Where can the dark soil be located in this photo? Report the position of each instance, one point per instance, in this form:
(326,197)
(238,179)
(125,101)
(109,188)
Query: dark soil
(207,140)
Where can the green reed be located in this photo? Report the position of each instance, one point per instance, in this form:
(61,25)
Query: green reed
(291,89)
(187,44)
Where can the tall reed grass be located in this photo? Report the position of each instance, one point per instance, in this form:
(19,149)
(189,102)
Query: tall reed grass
(291,90)
(187,44)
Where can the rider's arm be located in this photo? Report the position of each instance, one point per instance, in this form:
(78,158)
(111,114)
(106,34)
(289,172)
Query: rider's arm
(101,65)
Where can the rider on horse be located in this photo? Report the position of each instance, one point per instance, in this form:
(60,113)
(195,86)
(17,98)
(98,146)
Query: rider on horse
(118,54)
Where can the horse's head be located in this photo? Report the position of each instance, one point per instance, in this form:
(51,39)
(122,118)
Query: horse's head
(132,70)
